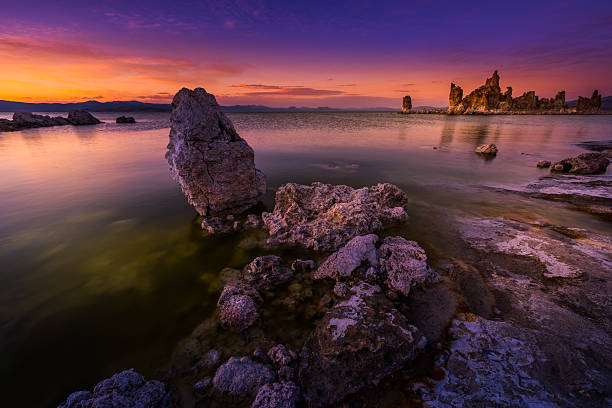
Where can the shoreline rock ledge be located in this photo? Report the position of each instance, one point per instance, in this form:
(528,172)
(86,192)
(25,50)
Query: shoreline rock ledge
(214,166)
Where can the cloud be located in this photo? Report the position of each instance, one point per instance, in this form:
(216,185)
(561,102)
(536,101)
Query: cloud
(405,90)
(229,24)
(256,86)
(346,85)
(296,91)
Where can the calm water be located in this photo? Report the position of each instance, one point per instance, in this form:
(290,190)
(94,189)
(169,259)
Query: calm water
(103,266)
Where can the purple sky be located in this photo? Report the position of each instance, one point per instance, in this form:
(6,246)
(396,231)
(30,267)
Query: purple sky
(345,54)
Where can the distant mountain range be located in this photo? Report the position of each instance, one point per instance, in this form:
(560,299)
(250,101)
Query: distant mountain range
(137,106)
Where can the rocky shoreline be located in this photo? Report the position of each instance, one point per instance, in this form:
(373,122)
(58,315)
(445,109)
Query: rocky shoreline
(365,317)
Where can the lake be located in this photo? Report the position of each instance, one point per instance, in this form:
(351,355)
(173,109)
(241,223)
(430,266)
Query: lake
(103,264)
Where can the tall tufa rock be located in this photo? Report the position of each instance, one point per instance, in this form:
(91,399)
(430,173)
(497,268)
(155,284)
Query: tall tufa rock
(406,104)
(214,166)
(456,95)
(488,99)
(589,105)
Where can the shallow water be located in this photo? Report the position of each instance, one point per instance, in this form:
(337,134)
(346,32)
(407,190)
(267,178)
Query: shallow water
(104,267)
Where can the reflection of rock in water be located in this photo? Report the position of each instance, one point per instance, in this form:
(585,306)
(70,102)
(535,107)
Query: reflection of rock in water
(448,131)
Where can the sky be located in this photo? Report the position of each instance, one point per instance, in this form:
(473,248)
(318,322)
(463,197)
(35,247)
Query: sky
(289,53)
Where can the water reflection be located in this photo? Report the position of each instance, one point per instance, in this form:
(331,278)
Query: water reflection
(105,266)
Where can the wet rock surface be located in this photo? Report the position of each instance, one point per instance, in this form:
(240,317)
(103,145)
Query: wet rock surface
(124,389)
(213,165)
(586,163)
(357,343)
(324,217)
(547,341)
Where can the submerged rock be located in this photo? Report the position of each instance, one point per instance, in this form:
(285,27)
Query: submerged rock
(277,395)
(325,217)
(213,165)
(586,163)
(238,307)
(242,377)
(81,118)
(358,342)
(125,119)
(124,389)
(488,149)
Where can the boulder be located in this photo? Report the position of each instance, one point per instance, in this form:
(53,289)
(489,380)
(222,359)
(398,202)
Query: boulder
(341,264)
(404,264)
(242,377)
(325,217)
(543,164)
(238,307)
(81,118)
(125,119)
(586,163)
(277,395)
(357,343)
(124,389)
(213,165)
(487,149)
(266,271)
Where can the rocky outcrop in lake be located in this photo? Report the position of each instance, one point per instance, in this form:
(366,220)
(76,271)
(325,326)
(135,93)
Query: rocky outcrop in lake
(213,165)
(27,120)
(489,99)
(586,163)
(125,119)
(406,104)
(325,217)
